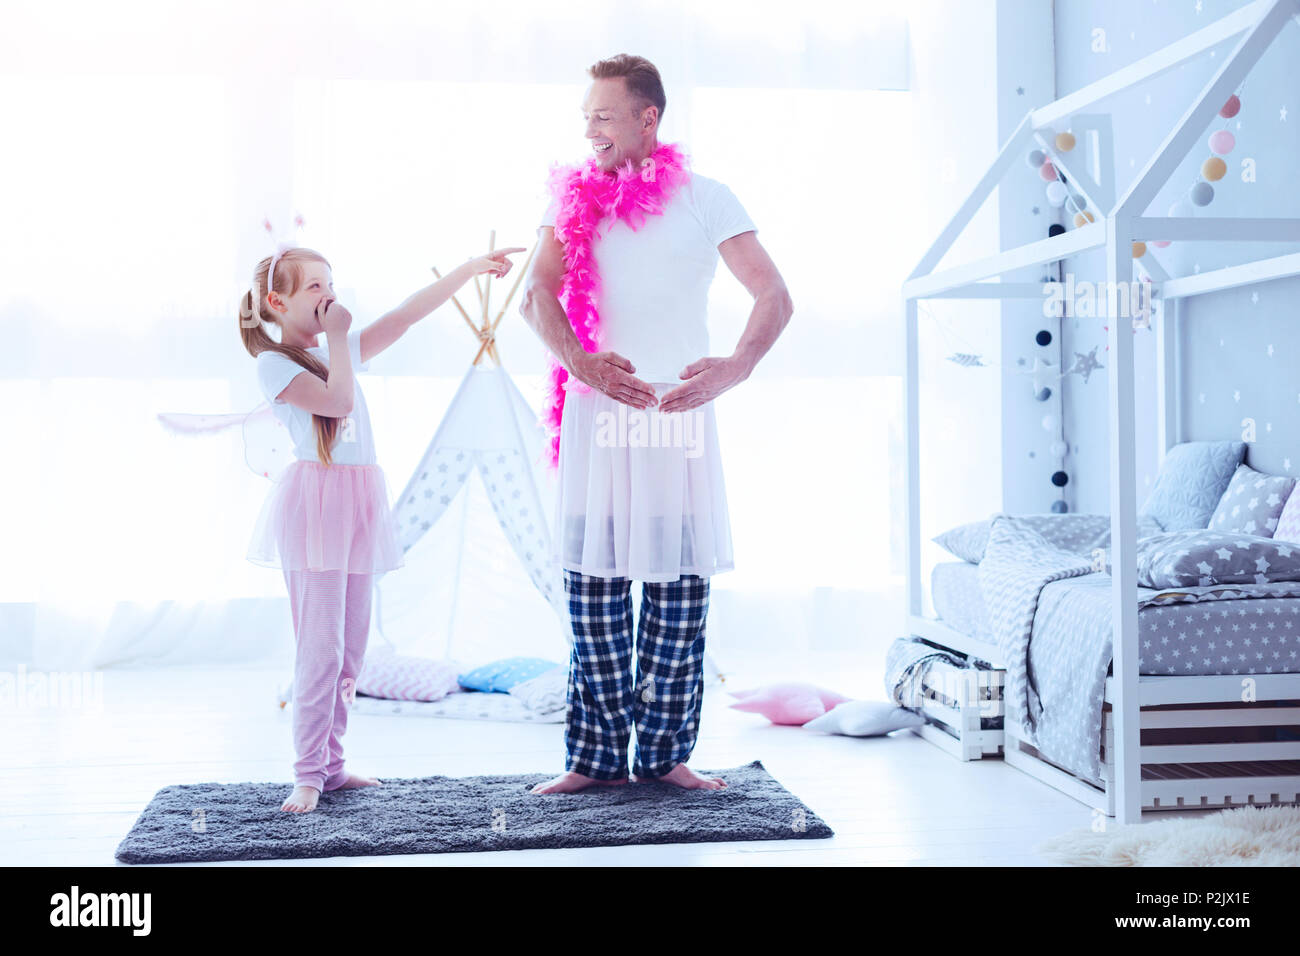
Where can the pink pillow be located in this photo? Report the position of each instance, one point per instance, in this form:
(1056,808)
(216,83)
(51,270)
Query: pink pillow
(791,704)
(1288,522)
(395,676)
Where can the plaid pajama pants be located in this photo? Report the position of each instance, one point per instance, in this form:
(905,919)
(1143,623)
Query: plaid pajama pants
(663,702)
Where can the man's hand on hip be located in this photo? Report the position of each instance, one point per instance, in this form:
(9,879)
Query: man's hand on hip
(610,373)
(706,379)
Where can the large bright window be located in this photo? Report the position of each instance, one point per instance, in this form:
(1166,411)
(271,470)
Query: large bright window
(129,224)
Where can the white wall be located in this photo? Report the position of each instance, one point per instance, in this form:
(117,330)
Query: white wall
(1025,81)
(953,82)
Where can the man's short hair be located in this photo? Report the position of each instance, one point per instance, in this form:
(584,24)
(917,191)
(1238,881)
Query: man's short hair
(639,75)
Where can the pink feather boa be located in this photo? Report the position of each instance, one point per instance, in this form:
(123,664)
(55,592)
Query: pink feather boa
(586,195)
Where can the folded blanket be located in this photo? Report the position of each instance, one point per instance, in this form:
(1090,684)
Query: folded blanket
(1076,533)
(1018,563)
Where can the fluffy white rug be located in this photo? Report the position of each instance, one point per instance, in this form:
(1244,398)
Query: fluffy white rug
(1243,836)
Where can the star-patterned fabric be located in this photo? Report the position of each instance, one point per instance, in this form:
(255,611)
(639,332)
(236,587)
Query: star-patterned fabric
(1198,558)
(1253,502)
(1288,524)
(489,428)
(1053,626)
(1220,630)
(441,475)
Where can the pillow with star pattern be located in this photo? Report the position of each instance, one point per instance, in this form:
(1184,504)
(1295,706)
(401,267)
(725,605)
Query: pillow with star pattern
(1288,524)
(1197,558)
(1252,504)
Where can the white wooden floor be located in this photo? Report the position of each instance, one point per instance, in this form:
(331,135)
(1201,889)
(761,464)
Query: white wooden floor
(73,781)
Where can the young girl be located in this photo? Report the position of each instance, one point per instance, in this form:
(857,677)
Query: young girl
(326,522)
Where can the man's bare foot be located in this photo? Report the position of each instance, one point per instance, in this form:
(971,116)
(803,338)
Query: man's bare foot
(302,800)
(686,778)
(353,780)
(570,782)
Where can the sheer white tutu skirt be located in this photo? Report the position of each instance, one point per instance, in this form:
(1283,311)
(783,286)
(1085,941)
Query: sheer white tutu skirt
(640,494)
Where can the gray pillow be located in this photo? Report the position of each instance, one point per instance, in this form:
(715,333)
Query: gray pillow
(546,693)
(865,718)
(966,541)
(1192,479)
(1185,559)
(1076,533)
(1252,504)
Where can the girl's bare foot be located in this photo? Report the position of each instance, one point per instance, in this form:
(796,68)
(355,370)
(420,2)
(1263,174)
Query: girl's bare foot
(302,800)
(686,778)
(570,782)
(353,780)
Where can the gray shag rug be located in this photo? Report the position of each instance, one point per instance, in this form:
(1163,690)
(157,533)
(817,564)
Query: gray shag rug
(207,822)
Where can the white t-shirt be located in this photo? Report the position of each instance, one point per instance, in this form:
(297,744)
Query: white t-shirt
(355,444)
(654,281)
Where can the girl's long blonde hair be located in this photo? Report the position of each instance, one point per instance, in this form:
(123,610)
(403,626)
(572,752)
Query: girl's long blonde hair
(252,330)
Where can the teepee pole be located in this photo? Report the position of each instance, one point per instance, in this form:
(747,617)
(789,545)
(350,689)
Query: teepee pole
(460,308)
(478,288)
(487,298)
(487,279)
(490,341)
(523,270)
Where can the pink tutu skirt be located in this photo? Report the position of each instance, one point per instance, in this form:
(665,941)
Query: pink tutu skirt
(327,518)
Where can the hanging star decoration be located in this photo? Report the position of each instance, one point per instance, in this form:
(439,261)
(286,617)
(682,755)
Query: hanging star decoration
(1041,371)
(1085,365)
(1044,373)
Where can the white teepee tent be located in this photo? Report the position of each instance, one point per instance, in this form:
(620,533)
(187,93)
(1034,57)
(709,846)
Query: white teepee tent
(474,519)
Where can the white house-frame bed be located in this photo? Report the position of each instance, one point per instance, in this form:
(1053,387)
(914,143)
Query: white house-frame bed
(1130,697)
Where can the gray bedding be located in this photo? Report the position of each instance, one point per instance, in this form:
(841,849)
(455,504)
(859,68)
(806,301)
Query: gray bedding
(1174,637)
(958,601)
(1049,613)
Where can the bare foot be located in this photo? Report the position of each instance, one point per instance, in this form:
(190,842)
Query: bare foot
(353,780)
(302,800)
(570,782)
(686,778)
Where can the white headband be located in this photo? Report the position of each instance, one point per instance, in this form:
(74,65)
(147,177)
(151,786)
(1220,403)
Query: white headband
(281,248)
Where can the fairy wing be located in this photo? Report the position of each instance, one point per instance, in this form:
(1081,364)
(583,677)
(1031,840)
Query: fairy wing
(268,447)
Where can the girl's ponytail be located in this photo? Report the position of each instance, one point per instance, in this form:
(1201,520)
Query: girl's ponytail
(253,333)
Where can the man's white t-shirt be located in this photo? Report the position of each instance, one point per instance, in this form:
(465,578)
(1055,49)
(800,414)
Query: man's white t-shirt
(654,281)
(355,444)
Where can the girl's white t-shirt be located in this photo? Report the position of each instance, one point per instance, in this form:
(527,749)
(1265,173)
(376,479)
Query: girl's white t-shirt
(355,444)
(654,281)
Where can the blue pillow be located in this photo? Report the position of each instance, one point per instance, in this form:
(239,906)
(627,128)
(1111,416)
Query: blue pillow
(500,676)
(1192,479)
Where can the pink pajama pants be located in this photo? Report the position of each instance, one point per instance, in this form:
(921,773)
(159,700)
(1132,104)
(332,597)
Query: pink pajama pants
(331,622)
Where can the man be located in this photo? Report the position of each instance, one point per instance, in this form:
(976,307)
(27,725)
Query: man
(630,506)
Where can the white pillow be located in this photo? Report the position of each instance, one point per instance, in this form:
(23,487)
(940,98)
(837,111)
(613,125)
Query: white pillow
(545,693)
(865,718)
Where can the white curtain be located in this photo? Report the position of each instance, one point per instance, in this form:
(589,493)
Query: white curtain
(148,141)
